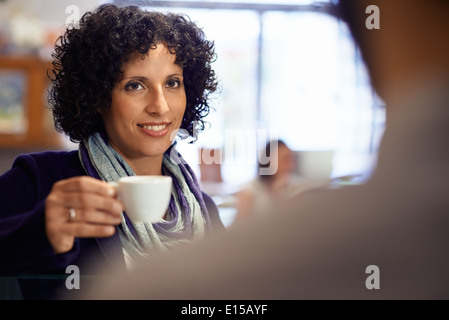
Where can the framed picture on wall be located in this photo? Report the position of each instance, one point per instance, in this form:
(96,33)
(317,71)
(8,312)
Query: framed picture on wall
(24,116)
(13,118)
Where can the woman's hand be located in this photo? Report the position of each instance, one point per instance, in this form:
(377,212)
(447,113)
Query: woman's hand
(80,207)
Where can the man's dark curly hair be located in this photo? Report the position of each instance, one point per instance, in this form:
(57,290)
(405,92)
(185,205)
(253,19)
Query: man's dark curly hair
(88,60)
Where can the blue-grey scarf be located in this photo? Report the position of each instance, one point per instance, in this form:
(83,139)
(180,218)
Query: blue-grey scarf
(187,217)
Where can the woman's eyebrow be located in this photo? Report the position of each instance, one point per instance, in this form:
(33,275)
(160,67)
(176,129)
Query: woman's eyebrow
(134,77)
(143,78)
(175,75)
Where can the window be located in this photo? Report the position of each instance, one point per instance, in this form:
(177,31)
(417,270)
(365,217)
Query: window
(315,89)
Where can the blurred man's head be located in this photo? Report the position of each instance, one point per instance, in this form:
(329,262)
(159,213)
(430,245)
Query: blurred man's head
(276,160)
(410,43)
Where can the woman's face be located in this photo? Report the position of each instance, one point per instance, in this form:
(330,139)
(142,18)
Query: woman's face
(148,105)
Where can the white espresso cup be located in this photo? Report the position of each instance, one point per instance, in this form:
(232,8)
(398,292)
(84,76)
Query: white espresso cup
(145,198)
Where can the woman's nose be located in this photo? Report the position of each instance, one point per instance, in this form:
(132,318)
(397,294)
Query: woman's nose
(157,102)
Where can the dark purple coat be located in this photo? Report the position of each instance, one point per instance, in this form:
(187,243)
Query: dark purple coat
(25,251)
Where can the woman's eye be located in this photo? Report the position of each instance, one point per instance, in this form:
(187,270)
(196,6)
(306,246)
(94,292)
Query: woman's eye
(174,83)
(133,86)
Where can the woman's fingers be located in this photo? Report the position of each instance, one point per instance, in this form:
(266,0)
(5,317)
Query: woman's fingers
(62,241)
(89,202)
(87,230)
(86,184)
(87,194)
(80,207)
(93,216)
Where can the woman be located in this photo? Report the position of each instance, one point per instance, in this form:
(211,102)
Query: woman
(125,82)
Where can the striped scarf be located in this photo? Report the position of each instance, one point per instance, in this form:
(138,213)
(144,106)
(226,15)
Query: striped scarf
(187,217)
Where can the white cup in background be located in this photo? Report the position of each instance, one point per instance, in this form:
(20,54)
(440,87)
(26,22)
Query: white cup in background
(145,198)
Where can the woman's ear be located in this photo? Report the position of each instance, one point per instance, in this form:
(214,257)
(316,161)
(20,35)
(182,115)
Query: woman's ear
(102,108)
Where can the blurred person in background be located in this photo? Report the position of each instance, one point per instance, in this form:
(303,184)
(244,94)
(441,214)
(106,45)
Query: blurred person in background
(385,239)
(275,182)
(125,83)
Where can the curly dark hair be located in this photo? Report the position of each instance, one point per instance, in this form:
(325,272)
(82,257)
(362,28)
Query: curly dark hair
(88,60)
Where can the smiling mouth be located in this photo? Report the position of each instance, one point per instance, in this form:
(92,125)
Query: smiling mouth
(158,127)
(157,130)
